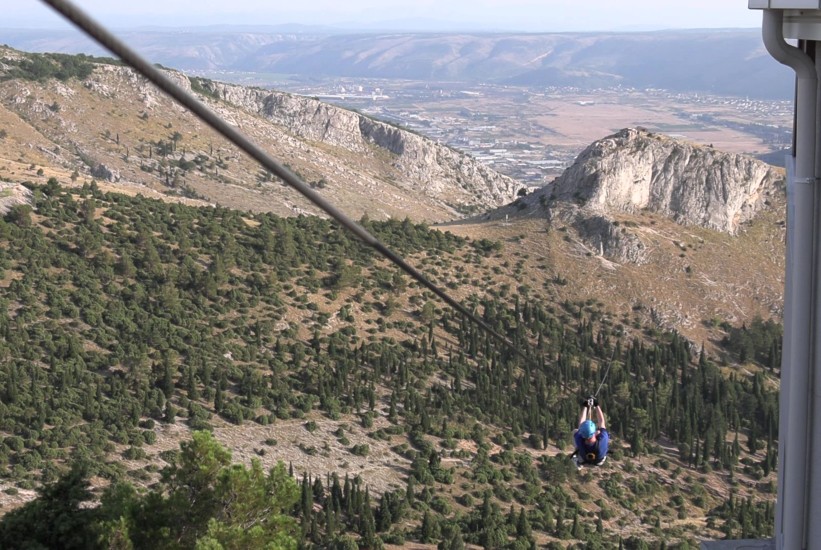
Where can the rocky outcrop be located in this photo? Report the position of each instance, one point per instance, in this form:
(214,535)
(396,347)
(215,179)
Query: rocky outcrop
(425,166)
(608,239)
(12,194)
(635,170)
(103,172)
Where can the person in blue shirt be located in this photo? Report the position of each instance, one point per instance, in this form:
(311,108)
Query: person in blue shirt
(591,441)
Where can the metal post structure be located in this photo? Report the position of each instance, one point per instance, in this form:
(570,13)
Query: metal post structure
(798,505)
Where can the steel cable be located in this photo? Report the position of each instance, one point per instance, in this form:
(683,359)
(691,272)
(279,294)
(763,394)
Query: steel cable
(99,33)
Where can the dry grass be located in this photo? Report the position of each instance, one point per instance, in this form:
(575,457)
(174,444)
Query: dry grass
(694,278)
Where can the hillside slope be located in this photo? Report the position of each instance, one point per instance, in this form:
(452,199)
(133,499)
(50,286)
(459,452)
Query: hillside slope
(685,236)
(113,126)
(130,322)
(615,206)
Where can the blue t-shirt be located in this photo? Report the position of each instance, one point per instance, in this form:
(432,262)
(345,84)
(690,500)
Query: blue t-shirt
(597,451)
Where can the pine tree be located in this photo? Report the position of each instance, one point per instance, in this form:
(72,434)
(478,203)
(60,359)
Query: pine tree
(452,539)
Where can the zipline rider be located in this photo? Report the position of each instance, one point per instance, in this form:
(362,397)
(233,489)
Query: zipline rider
(591,443)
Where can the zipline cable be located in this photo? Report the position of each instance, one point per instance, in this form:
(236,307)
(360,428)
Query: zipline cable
(99,33)
(606,372)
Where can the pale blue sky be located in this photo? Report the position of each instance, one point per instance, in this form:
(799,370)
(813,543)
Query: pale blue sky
(518,15)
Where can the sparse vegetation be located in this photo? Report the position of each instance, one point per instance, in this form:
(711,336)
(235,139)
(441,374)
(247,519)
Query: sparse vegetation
(126,319)
(129,361)
(204,86)
(40,67)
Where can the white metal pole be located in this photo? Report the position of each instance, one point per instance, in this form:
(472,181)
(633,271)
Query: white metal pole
(814,416)
(794,466)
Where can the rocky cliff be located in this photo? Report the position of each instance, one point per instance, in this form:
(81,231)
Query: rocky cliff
(635,171)
(428,167)
(104,121)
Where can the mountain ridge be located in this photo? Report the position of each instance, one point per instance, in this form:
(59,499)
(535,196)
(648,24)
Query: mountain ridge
(395,171)
(416,155)
(723,62)
(680,268)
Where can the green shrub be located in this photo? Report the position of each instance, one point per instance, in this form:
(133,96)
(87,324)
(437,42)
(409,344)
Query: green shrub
(361,449)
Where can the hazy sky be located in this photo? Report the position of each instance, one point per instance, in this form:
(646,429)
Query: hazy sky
(520,15)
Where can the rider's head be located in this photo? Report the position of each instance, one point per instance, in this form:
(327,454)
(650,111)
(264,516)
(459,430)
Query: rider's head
(587,429)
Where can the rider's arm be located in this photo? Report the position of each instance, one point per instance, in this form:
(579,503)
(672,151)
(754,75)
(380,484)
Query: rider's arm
(583,415)
(600,416)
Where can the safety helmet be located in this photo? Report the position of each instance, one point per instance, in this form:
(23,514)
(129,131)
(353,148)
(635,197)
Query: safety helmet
(587,429)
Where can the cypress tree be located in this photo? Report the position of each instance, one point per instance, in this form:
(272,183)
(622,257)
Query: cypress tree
(306,499)
(523,528)
(318,491)
(410,491)
(219,403)
(191,385)
(577,531)
(427,530)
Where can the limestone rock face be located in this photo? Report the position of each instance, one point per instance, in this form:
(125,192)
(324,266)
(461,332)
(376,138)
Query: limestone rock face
(13,194)
(426,166)
(604,236)
(634,170)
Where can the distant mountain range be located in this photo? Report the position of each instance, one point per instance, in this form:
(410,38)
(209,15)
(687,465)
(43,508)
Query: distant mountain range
(724,62)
